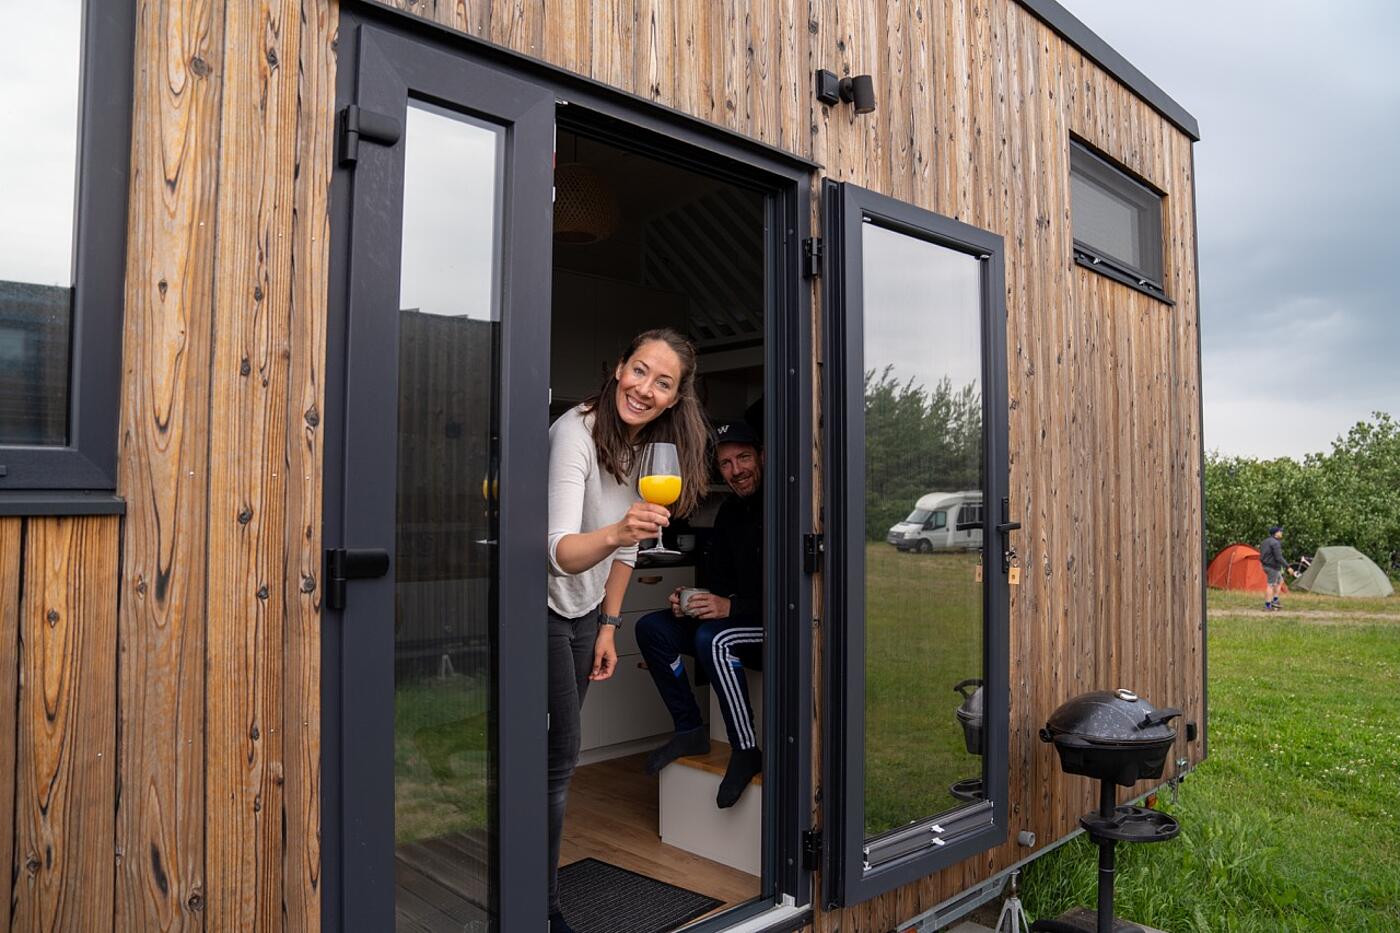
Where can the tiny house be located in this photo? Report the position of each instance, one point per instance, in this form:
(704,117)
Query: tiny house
(290,291)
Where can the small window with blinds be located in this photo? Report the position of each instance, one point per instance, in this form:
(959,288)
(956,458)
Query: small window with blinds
(1117,221)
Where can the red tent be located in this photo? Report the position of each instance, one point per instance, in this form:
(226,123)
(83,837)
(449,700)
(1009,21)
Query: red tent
(1237,567)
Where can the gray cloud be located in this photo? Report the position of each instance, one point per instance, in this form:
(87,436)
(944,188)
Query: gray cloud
(1299,108)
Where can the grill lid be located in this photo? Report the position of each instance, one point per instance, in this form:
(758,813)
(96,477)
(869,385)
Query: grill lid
(1117,717)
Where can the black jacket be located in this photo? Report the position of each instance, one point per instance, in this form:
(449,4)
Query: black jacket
(1271,553)
(732,565)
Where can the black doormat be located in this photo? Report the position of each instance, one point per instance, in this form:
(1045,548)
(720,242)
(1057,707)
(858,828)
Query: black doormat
(602,898)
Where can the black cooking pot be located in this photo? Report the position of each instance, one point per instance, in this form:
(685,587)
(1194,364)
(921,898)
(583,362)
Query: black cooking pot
(1111,735)
(969,714)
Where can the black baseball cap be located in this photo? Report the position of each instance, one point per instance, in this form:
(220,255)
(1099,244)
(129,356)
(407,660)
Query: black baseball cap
(736,432)
(1275,529)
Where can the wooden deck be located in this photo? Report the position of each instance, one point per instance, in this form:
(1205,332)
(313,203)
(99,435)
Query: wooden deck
(612,817)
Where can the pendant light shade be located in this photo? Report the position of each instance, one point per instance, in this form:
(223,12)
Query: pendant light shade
(584,208)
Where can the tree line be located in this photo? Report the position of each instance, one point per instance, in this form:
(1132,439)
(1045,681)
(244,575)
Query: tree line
(1349,496)
(917,440)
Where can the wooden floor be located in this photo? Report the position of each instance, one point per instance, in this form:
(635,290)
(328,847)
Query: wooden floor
(440,883)
(613,816)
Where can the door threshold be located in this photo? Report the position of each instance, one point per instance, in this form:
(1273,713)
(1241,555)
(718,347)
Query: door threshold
(776,919)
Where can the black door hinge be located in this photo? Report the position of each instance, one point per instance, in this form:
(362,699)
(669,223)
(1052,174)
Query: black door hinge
(812,257)
(357,124)
(813,549)
(351,563)
(812,849)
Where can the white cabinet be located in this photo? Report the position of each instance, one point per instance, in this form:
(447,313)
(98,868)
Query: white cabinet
(623,714)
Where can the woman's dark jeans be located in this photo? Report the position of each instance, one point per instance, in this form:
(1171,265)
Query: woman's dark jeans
(570,661)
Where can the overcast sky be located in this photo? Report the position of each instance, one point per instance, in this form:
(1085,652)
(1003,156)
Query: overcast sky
(1299,204)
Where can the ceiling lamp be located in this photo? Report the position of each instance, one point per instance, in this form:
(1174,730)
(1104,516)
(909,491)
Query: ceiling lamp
(584,208)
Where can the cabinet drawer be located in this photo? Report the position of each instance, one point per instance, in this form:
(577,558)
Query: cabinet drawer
(650,587)
(626,706)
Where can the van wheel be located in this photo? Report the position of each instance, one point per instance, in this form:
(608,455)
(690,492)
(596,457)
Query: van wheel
(925,546)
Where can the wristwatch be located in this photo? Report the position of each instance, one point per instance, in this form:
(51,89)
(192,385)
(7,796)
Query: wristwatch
(605,619)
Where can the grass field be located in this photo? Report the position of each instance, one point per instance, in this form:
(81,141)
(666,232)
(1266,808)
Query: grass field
(440,757)
(1293,822)
(923,635)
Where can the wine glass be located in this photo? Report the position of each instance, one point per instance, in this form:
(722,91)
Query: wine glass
(659,482)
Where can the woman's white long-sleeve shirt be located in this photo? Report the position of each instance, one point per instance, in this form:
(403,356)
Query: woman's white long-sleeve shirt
(582,498)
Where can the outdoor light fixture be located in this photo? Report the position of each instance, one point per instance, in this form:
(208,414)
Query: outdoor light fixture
(859,89)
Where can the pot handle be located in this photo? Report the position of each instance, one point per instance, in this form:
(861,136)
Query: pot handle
(962,685)
(1067,739)
(1159,717)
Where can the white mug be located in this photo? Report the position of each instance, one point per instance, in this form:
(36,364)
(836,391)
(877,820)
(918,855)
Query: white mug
(686,593)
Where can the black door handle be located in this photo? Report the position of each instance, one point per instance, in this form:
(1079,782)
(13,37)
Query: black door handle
(351,563)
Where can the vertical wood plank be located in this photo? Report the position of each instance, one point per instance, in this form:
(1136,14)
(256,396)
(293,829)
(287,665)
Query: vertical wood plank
(65,800)
(310,236)
(11,556)
(248,469)
(163,464)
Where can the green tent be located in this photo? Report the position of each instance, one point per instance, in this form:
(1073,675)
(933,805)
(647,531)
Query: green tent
(1344,571)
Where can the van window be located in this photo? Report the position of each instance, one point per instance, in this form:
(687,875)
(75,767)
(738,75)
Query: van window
(939,520)
(918,516)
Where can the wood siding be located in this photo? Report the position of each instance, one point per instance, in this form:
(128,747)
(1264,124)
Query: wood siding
(165,665)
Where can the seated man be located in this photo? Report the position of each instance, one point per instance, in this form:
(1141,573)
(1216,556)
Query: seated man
(722,629)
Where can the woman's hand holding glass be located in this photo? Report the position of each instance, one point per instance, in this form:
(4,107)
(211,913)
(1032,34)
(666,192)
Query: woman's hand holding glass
(643,521)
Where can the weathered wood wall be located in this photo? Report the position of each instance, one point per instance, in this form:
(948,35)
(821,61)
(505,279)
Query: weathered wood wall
(977,103)
(166,665)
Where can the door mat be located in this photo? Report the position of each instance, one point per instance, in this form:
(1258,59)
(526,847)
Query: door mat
(602,898)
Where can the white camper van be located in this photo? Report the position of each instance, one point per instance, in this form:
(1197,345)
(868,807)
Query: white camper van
(941,521)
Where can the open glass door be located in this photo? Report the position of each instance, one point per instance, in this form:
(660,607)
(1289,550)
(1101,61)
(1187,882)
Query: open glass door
(916,742)
(440,751)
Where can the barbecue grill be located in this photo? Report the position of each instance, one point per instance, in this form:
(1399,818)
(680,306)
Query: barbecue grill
(1118,738)
(969,714)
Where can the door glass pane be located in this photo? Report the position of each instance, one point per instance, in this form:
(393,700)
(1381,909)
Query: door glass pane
(446,567)
(923,551)
(40,60)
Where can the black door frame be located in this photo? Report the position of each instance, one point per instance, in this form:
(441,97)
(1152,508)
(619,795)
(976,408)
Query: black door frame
(390,71)
(598,110)
(976,827)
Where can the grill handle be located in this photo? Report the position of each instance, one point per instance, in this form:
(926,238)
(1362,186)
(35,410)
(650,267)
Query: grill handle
(962,685)
(1068,739)
(1159,717)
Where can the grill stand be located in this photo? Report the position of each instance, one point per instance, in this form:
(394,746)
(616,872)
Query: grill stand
(1108,826)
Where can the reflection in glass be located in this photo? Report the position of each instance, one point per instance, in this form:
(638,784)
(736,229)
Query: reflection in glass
(445,572)
(923,508)
(40,62)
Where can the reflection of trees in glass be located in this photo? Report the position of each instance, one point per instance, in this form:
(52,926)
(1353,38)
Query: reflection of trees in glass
(917,440)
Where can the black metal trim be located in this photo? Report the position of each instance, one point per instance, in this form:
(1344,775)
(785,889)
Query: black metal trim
(1201,426)
(643,126)
(60,502)
(846,208)
(1072,30)
(1106,267)
(89,460)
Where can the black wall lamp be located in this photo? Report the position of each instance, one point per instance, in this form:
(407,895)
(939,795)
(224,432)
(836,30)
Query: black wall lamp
(859,90)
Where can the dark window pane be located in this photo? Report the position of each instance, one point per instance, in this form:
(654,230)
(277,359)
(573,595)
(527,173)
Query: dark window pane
(446,570)
(923,595)
(1116,218)
(40,48)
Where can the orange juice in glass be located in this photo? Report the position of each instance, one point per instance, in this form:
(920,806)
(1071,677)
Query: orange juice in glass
(659,482)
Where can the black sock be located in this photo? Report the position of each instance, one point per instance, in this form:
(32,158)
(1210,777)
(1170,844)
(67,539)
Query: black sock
(693,742)
(744,763)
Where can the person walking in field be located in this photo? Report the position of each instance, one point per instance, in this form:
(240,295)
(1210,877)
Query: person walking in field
(1271,556)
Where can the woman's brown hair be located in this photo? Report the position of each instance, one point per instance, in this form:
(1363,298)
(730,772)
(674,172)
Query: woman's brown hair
(683,424)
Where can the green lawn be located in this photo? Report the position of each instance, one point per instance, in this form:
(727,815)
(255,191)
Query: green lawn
(1293,822)
(923,635)
(440,757)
